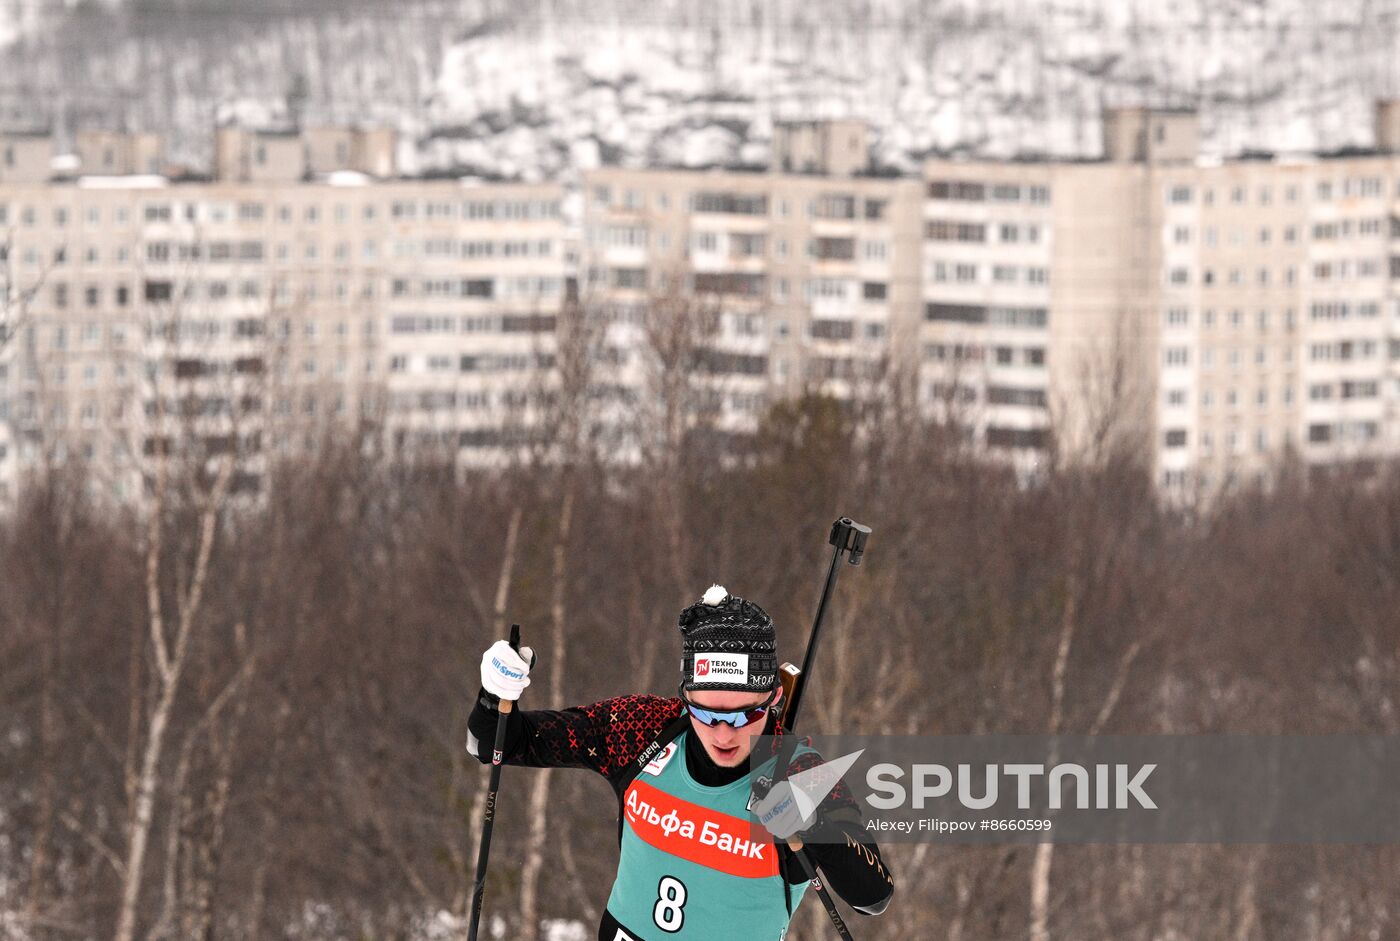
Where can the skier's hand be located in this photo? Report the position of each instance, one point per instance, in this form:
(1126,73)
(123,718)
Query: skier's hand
(505,673)
(780,814)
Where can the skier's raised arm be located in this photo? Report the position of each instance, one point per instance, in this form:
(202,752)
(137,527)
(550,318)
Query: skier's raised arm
(603,737)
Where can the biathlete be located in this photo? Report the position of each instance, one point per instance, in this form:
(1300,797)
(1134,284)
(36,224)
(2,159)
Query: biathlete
(690,865)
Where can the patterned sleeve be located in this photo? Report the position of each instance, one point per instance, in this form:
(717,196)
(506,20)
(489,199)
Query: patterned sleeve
(602,737)
(840,794)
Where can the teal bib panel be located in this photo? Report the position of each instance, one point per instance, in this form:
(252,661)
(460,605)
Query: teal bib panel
(689,868)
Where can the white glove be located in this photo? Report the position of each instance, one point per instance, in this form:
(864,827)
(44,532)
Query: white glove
(505,673)
(779,813)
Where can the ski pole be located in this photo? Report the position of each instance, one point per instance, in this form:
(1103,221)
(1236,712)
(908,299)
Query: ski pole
(489,818)
(846,536)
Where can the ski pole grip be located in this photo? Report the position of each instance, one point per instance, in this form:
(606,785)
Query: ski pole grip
(507,705)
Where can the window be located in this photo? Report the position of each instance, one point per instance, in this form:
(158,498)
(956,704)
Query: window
(1017,316)
(1177,356)
(940,230)
(832,249)
(832,329)
(740,244)
(1008,395)
(957,190)
(955,313)
(1176,438)
(734,203)
(826,288)
(1179,194)
(629,278)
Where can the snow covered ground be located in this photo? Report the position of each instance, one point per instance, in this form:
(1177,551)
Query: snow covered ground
(539,88)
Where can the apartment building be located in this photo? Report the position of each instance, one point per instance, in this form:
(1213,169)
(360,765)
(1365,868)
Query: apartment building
(1217,313)
(811,280)
(250,314)
(1213,314)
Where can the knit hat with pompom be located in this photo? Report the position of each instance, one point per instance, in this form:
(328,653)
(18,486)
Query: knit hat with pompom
(728,644)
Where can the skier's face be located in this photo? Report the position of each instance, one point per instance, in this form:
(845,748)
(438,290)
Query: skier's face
(726,745)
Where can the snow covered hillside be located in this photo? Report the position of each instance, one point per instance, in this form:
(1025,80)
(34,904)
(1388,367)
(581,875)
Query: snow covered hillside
(533,88)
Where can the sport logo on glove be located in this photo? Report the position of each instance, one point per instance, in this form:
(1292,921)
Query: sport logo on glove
(505,670)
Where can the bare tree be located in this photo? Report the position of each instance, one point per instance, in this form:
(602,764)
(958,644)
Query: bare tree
(169,648)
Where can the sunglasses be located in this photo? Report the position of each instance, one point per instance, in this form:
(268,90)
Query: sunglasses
(737,719)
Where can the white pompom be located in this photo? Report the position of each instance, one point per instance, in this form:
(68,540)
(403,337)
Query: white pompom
(715,595)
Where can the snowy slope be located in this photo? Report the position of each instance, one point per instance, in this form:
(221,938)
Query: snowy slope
(539,87)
